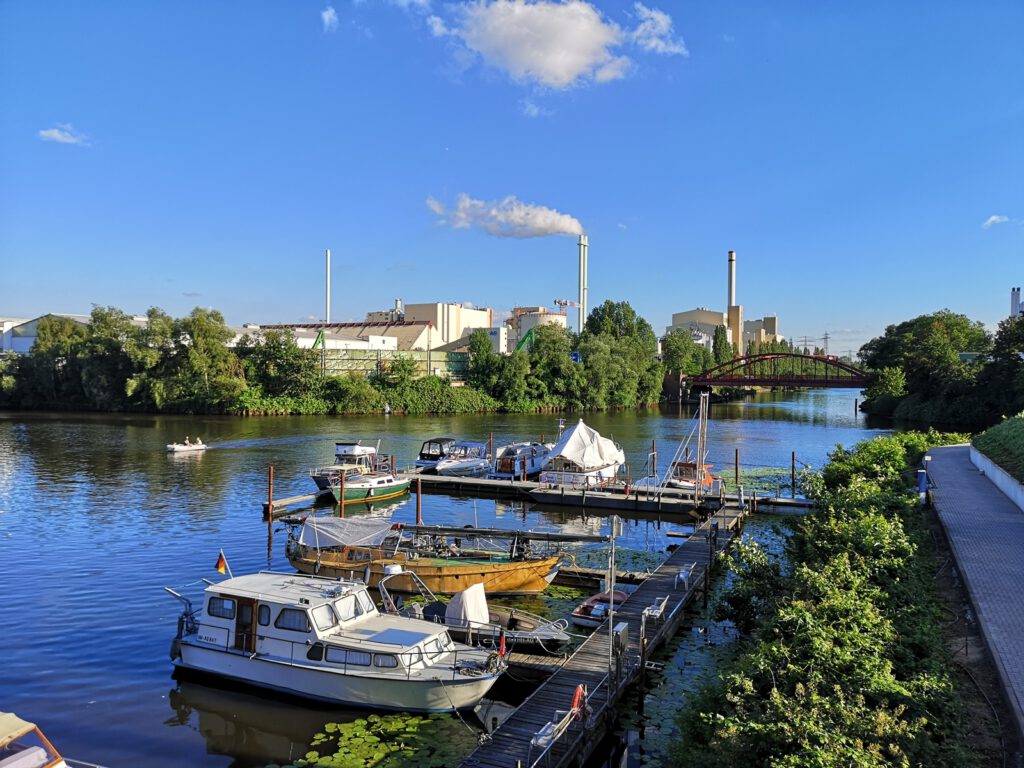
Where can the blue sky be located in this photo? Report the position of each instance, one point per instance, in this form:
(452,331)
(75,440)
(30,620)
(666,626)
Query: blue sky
(865,160)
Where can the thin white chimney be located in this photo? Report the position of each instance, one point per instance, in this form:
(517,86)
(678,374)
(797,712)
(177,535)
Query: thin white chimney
(732,279)
(327,313)
(582,307)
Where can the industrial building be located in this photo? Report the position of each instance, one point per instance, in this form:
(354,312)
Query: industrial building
(702,322)
(449,322)
(1016,306)
(525,319)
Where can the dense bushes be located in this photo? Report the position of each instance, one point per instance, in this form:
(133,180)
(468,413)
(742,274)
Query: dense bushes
(843,662)
(944,368)
(1004,444)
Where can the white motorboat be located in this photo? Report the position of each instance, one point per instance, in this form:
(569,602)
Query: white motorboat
(432,451)
(582,459)
(516,459)
(349,459)
(324,639)
(465,460)
(187,446)
(469,618)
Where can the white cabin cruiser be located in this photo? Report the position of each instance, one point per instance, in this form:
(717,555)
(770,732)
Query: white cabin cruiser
(324,639)
(465,460)
(582,459)
(349,459)
(432,451)
(516,459)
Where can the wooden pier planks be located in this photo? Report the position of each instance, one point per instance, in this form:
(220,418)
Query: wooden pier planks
(589,664)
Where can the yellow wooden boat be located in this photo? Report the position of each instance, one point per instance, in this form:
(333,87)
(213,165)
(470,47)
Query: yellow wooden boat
(499,574)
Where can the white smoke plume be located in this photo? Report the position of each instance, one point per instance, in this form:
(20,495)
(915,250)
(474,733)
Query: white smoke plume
(509,217)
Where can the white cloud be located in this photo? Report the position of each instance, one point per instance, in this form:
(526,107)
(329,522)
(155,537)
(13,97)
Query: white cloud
(509,217)
(330,18)
(654,33)
(532,109)
(554,43)
(437,26)
(991,221)
(64,133)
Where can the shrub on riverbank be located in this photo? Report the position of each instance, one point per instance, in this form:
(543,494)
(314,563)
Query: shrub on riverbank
(1004,444)
(844,663)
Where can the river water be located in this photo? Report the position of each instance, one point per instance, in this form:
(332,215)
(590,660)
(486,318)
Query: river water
(96,517)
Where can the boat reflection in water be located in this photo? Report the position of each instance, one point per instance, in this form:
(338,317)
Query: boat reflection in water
(255,730)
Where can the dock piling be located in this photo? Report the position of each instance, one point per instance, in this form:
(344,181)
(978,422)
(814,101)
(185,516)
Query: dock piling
(792,475)
(737,464)
(270,515)
(419,501)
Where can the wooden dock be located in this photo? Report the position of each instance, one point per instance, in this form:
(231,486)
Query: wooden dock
(545,729)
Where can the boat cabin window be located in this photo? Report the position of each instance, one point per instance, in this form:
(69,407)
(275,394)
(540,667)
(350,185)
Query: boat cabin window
(315,652)
(348,607)
(323,617)
(415,656)
(293,620)
(365,602)
(221,607)
(346,656)
(263,615)
(433,648)
(385,661)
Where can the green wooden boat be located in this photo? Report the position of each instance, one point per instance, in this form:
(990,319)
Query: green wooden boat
(370,486)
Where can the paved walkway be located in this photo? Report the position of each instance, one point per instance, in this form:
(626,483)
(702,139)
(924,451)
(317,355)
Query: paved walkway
(986,532)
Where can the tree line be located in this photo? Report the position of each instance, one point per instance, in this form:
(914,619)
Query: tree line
(189,365)
(945,368)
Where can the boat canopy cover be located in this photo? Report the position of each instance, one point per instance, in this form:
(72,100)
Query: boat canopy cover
(585,448)
(468,608)
(13,727)
(341,531)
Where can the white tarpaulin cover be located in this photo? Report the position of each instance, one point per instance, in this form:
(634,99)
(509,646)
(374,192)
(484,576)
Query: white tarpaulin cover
(585,448)
(340,531)
(468,608)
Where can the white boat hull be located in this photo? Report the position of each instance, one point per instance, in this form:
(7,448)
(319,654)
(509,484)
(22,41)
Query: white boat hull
(468,468)
(420,691)
(180,448)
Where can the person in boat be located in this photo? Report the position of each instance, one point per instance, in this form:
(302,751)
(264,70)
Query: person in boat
(199,441)
(187,441)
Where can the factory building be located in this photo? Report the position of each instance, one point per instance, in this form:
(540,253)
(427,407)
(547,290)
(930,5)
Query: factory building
(702,322)
(450,322)
(524,319)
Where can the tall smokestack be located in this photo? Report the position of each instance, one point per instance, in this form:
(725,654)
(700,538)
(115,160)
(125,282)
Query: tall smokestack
(327,313)
(732,279)
(582,305)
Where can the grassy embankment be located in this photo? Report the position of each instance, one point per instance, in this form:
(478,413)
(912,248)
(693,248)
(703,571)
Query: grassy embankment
(843,661)
(1004,444)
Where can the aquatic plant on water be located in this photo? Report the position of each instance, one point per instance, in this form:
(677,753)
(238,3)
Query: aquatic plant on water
(389,741)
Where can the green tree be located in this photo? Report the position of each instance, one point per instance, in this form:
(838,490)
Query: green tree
(484,362)
(554,379)
(205,374)
(104,362)
(1001,382)
(151,352)
(721,348)
(682,354)
(52,375)
(274,362)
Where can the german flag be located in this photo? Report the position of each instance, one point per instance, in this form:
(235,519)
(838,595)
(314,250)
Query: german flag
(222,563)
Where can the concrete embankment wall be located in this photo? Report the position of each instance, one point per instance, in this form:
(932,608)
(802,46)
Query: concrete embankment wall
(1002,479)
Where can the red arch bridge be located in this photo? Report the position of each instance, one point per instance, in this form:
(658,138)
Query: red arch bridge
(782,369)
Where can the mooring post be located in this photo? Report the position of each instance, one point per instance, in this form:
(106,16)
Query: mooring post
(737,471)
(792,474)
(856,410)
(419,501)
(524,469)
(341,493)
(393,467)
(490,445)
(270,516)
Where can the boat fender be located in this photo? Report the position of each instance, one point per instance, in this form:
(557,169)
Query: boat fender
(175,649)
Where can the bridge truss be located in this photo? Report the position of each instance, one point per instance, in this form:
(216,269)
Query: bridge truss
(783,369)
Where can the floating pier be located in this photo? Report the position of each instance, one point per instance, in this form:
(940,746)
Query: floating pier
(559,724)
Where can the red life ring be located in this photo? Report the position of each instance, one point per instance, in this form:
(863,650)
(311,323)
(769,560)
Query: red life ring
(579,700)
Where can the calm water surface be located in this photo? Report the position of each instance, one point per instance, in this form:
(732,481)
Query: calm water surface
(95,518)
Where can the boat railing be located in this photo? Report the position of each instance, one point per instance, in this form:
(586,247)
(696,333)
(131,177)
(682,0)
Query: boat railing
(446,665)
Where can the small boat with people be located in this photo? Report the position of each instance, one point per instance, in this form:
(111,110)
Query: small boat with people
(187,446)
(582,458)
(594,610)
(470,619)
(349,458)
(513,461)
(465,460)
(324,639)
(363,548)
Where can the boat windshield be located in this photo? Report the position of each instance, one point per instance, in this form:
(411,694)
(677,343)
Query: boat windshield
(353,605)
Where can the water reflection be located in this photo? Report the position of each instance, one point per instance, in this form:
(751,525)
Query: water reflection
(95,518)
